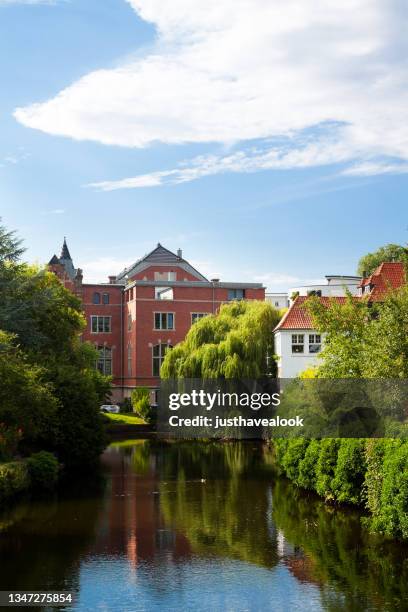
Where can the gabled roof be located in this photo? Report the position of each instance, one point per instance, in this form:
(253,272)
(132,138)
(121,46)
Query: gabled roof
(389,275)
(298,316)
(160,256)
(54,260)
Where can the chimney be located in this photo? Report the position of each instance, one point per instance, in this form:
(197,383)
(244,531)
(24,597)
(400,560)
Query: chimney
(112,280)
(179,253)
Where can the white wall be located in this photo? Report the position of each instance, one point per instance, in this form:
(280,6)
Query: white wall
(291,364)
(278,300)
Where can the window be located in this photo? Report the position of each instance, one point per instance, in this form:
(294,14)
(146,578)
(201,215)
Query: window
(163,293)
(236,294)
(159,353)
(100,325)
(298,341)
(104,363)
(129,322)
(96,298)
(316,292)
(196,316)
(163,320)
(105,298)
(129,359)
(315,343)
(165,276)
(277,304)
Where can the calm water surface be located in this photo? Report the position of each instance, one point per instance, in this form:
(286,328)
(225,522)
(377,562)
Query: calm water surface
(196,526)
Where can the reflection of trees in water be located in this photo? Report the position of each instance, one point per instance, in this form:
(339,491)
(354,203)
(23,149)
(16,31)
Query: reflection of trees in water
(365,571)
(215,503)
(42,541)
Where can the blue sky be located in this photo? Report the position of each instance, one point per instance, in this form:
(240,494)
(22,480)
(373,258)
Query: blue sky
(269,141)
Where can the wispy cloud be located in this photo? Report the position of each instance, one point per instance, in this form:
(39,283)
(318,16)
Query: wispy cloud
(233,72)
(373,168)
(14,158)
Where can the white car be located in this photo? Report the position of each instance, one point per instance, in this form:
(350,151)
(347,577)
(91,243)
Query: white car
(112,408)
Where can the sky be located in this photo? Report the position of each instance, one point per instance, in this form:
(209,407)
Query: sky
(268,139)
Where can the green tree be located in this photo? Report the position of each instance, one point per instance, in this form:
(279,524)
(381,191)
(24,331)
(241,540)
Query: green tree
(46,322)
(237,342)
(390,252)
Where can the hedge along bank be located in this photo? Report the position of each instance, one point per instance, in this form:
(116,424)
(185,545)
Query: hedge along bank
(38,472)
(369,473)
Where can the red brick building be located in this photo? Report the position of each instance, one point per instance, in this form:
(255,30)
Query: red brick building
(144,311)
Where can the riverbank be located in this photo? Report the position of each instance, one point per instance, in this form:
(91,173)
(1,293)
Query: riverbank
(371,474)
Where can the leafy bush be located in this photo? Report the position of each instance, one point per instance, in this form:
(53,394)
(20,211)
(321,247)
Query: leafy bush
(126,406)
(294,454)
(308,466)
(14,478)
(43,468)
(350,470)
(391,514)
(141,404)
(325,467)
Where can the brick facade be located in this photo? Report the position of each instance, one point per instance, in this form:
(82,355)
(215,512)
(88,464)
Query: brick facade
(145,309)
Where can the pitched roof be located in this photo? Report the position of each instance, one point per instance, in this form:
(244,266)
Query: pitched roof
(160,256)
(298,316)
(389,275)
(54,260)
(65,254)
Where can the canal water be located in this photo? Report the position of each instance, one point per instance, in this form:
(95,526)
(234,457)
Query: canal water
(197,526)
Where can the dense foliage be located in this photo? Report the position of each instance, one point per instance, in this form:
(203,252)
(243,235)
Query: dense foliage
(141,404)
(390,252)
(363,340)
(370,473)
(237,342)
(49,387)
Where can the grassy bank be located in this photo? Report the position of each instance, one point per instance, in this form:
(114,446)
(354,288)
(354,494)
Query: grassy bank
(371,474)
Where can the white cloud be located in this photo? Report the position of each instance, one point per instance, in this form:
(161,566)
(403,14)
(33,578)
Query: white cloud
(98,270)
(373,168)
(239,70)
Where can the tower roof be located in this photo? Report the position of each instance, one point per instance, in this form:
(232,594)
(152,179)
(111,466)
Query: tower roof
(65,254)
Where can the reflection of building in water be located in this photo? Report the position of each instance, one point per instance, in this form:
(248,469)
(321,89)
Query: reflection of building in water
(132,525)
(300,565)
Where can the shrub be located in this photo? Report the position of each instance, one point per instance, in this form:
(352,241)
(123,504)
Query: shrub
(43,468)
(308,466)
(9,439)
(325,467)
(126,406)
(391,517)
(141,403)
(350,470)
(14,478)
(293,456)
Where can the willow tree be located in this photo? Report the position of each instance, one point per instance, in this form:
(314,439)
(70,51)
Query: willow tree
(237,342)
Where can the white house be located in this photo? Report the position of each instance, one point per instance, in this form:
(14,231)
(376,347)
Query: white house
(335,286)
(297,344)
(278,300)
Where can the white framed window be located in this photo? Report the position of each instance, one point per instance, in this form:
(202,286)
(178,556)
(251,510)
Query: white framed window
(196,316)
(101,325)
(165,276)
(315,343)
(104,362)
(298,343)
(158,354)
(163,293)
(164,320)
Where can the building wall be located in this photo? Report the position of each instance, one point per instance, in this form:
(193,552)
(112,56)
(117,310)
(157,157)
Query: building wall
(291,364)
(278,300)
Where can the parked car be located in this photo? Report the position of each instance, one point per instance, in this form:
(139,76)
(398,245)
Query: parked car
(112,408)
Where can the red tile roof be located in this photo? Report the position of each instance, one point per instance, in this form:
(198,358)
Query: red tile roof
(389,275)
(298,316)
